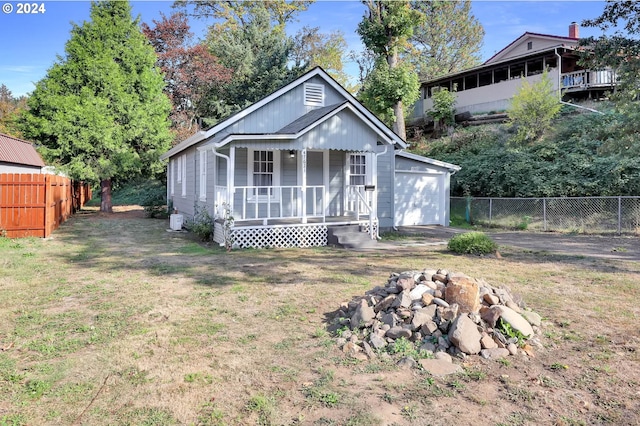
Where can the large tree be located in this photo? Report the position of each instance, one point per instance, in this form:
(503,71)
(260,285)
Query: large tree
(191,73)
(312,48)
(385,29)
(448,40)
(100,113)
(620,51)
(257,51)
(10,110)
(249,38)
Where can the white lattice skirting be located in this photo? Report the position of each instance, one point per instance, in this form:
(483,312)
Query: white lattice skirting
(307,235)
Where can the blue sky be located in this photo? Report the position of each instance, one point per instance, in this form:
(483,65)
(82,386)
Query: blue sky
(30,43)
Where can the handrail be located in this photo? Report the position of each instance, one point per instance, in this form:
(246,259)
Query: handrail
(358,190)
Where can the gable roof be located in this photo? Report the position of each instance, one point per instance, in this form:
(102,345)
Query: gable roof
(18,151)
(527,34)
(371,118)
(308,119)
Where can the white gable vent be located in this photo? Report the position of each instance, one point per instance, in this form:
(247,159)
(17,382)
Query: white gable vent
(313,94)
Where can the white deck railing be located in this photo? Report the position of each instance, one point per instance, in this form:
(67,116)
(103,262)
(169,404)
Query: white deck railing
(272,202)
(587,78)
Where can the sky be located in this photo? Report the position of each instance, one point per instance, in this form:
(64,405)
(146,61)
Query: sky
(31,43)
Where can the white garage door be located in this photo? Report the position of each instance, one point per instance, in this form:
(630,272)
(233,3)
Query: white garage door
(419,198)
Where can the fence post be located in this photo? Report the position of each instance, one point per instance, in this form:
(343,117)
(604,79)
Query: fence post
(490,209)
(619,215)
(544,213)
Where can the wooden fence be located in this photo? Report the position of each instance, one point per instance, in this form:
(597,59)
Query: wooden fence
(34,205)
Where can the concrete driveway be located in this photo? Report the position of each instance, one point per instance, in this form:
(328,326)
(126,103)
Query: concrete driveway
(600,246)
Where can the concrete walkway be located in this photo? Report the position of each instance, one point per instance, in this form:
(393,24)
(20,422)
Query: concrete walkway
(600,246)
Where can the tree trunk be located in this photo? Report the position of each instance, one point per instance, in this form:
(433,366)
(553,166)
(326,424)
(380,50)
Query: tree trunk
(105,196)
(398,111)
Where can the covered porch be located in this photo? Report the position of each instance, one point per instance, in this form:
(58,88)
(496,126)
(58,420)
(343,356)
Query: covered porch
(289,197)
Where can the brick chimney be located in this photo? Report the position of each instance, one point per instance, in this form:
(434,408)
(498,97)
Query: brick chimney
(574,30)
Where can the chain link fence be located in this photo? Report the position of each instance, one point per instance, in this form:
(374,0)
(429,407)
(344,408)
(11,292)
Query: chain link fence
(566,214)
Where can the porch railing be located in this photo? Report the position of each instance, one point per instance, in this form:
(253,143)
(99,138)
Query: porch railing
(360,202)
(588,78)
(273,202)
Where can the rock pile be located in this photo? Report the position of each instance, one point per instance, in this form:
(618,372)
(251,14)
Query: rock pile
(447,314)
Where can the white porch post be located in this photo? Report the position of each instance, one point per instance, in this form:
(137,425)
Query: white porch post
(231,177)
(374,193)
(303,154)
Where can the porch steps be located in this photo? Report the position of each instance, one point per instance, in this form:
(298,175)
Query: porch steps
(349,236)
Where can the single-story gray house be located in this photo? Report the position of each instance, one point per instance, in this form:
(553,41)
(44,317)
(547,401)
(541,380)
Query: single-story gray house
(303,159)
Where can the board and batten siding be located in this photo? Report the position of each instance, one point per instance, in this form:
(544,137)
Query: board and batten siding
(279,112)
(186,204)
(335,200)
(344,131)
(385,189)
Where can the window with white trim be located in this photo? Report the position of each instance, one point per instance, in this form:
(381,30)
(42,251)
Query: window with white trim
(203,175)
(264,171)
(314,94)
(357,169)
(183,175)
(172,175)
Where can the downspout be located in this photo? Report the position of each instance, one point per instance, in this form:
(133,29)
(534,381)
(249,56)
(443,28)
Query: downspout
(378,154)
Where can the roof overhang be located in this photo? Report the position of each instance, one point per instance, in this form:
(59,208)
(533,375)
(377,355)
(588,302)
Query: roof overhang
(427,160)
(497,64)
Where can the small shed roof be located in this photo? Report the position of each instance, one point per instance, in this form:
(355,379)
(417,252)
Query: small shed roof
(18,151)
(450,167)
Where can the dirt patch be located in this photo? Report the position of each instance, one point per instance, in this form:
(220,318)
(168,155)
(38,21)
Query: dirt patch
(114,320)
(624,247)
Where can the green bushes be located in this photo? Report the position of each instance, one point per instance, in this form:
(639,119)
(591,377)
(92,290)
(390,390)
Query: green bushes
(472,243)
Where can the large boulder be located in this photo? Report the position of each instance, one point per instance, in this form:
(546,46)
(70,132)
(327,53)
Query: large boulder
(515,320)
(464,291)
(464,334)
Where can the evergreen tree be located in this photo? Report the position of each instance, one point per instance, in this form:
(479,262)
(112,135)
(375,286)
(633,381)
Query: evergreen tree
(385,30)
(99,114)
(448,40)
(257,52)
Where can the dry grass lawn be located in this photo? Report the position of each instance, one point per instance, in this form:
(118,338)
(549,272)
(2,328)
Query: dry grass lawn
(116,321)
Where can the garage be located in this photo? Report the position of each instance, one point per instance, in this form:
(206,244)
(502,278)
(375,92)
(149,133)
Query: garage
(421,190)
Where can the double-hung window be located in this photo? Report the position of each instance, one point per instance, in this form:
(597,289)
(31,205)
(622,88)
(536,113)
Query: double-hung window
(264,172)
(357,169)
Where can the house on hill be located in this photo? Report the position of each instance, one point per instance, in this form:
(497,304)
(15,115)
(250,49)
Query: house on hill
(305,166)
(18,156)
(490,86)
